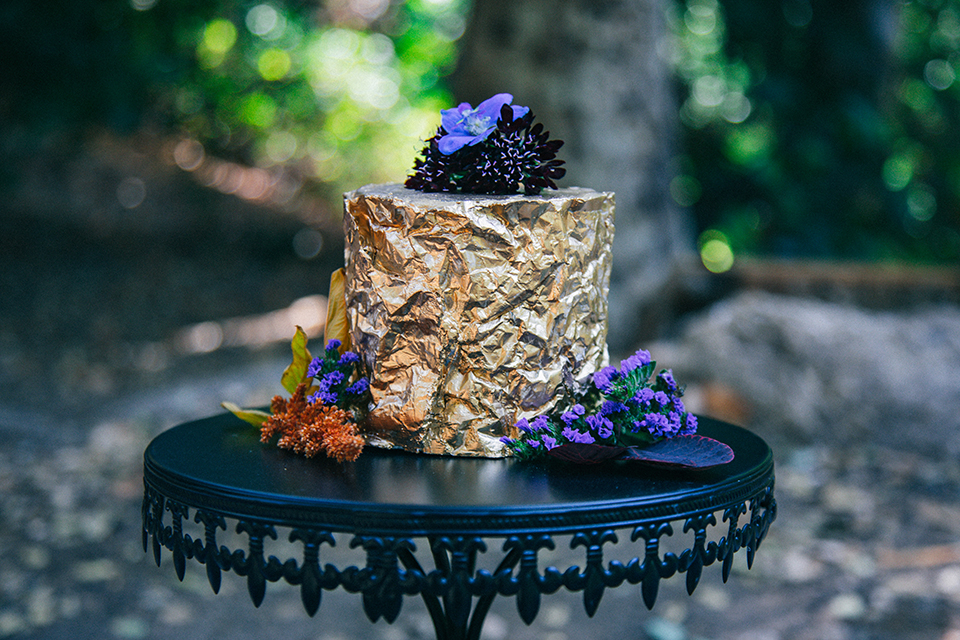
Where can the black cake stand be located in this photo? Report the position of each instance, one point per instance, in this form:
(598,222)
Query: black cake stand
(462,508)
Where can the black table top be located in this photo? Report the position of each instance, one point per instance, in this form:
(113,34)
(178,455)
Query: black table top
(218,463)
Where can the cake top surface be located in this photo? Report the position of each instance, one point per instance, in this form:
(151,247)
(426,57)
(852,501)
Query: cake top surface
(427,199)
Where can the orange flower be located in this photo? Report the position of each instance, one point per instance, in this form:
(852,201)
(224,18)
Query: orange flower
(310,428)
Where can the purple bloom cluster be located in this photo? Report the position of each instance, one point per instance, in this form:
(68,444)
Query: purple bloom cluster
(627,408)
(333,372)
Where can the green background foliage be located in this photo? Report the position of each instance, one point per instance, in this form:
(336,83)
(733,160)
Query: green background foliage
(818,129)
(810,128)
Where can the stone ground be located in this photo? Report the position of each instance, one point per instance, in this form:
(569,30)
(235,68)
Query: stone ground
(110,324)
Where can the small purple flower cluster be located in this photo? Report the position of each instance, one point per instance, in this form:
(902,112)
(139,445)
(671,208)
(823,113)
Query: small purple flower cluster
(630,410)
(333,372)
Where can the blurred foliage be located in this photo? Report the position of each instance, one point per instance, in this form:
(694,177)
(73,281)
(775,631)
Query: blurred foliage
(820,129)
(341,92)
(811,128)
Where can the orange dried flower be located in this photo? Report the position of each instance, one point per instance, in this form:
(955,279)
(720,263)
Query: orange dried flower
(310,428)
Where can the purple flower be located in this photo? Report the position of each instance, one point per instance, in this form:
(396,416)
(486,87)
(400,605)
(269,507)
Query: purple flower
(314,368)
(612,406)
(570,416)
(523,425)
(656,424)
(577,436)
(540,423)
(640,359)
(507,440)
(324,397)
(468,126)
(678,405)
(549,442)
(333,344)
(643,396)
(689,425)
(359,387)
(348,357)
(603,379)
(332,379)
(667,377)
(534,443)
(601,425)
(661,398)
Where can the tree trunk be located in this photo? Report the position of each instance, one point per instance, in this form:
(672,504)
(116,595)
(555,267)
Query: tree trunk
(591,72)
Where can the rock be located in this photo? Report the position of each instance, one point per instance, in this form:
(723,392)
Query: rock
(833,373)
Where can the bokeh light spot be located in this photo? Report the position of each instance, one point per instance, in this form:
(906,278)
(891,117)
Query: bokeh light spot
(715,251)
(131,192)
(274,64)
(898,171)
(219,36)
(939,74)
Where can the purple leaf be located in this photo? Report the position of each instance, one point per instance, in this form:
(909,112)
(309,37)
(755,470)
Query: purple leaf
(585,453)
(686,452)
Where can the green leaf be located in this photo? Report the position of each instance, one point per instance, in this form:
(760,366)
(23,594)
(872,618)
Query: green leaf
(253,416)
(297,371)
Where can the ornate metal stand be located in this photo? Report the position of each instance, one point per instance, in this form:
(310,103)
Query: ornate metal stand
(215,469)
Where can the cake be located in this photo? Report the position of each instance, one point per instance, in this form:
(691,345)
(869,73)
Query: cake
(470,312)
(470,318)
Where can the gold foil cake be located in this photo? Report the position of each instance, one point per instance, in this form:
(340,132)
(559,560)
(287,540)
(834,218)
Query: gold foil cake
(470,312)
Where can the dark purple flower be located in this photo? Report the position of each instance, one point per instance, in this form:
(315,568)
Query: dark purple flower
(524,425)
(667,377)
(348,357)
(603,379)
(359,387)
(333,344)
(577,436)
(689,425)
(507,440)
(468,126)
(612,406)
(678,405)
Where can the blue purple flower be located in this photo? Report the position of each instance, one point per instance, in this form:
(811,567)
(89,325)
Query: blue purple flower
(612,406)
(689,425)
(603,379)
(468,126)
(574,435)
(640,359)
(333,344)
(601,425)
(314,368)
(661,398)
(540,423)
(667,377)
(571,416)
(643,397)
(359,387)
(348,357)
(549,442)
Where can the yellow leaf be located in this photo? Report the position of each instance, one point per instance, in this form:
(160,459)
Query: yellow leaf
(297,371)
(336,325)
(253,416)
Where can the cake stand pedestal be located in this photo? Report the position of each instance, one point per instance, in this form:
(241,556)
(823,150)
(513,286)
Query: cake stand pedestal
(459,511)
